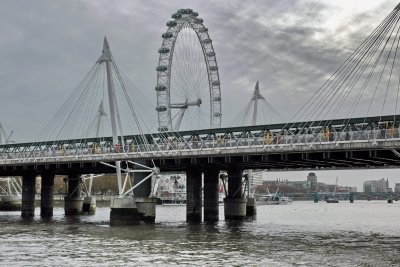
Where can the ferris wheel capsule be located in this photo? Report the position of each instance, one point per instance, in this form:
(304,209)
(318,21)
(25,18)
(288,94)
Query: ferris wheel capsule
(167,35)
(172,23)
(198,21)
(217,114)
(185,11)
(206,41)
(163,129)
(195,14)
(176,16)
(161,108)
(213,68)
(201,30)
(160,88)
(163,50)
(161,68)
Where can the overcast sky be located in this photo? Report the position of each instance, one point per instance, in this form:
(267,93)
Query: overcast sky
(290,46)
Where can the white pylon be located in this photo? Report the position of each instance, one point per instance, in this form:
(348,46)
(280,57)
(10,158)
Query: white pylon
(100,113)
(106,57)
(4,138)
(256,96)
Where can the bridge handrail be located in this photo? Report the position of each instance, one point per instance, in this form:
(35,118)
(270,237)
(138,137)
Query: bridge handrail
(228,144)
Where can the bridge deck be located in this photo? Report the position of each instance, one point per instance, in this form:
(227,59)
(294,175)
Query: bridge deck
(359,134)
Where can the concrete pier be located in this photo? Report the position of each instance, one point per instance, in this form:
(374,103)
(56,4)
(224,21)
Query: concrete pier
(124,212)
(211,195)
(251,208)
(146,206)
(235,203)
(47,193)
(193,195)
(315,198)
(235,208)
(89,205)
(10,203)
(28,195)
(73,202)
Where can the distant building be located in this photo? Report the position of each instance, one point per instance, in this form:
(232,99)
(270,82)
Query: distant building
(376,186)
(397,188)
(305,185)
(330,188)
(312,179)
(346,189)
(256,178)
(322,187)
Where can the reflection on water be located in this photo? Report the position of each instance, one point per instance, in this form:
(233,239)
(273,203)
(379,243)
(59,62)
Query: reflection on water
(302,234)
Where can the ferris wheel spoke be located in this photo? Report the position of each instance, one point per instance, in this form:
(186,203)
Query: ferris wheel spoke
(179,89)
(202,117)
(180,73)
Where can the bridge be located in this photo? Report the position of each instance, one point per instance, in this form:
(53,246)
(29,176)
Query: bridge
(334,129)
(355,143)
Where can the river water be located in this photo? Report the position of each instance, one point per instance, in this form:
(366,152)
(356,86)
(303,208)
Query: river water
(365,233)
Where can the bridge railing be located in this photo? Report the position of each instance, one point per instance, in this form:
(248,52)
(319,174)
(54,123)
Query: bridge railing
(230,144)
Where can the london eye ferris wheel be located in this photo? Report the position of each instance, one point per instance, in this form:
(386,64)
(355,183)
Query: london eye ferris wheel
(188,86)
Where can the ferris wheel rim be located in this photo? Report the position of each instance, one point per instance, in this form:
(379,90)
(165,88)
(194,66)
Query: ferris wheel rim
(186,18)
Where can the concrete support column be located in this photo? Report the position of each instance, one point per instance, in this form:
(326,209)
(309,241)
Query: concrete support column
(28,195)
(146,206)
(124,211)
(10,203)
(235,203)
(46,201)
(235,182)
(193,195)
(73,202)
(315,197)
(89,205)
(211,195)
(351,197)
(251,208)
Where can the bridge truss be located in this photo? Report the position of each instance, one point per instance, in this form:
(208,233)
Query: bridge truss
(373,133)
